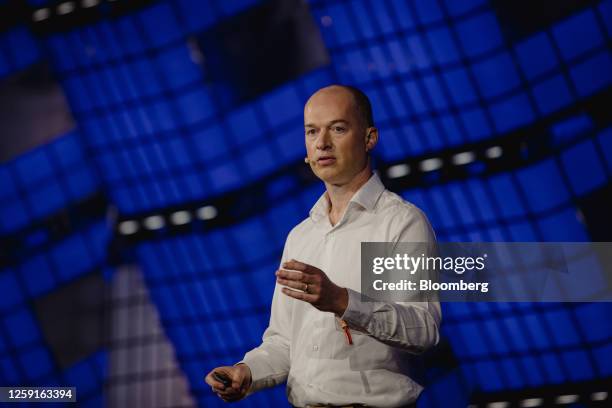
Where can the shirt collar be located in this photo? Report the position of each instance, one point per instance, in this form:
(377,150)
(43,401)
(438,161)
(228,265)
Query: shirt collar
(366,196)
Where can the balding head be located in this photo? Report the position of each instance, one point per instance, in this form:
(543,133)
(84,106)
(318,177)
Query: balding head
(360,103)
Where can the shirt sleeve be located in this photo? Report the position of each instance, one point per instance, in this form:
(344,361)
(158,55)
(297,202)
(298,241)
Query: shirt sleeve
(413,326)
(269,363)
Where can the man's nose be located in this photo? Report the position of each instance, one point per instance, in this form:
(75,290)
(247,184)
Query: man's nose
(323,141)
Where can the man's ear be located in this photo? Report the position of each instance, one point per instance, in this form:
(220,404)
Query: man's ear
(371,138)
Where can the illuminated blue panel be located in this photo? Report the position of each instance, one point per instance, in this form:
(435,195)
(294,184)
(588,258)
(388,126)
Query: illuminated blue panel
(428,11)
(443,45)
(363,17)
(13,215)
(552,364)
(457,8)
(579,364)
(552,94)
(225,176)
(282,106)
(563,226)
(160,25)
(460,86)
(381,115)
(593,74)
(38,275)
(396,100)
(583,167)
(536,55)
(533,370)
(415,97)
(476,124)
(71,257)
(453,135)
(497,339)
(20,50)
(512,113)
(543,196)
(11,292)
(245,125)
(433,89)
(484,207)
(462,203)
(89,375)
(523,232)
(577,35)
(176,66)
(507,197)
(343,27)
(33,167)
(496,75)
(602,357)
(260,161)
(512,374)
(24,330)
(605,8)
(479,34)
(195,16)
(37,362)
(385,18)
(489,375)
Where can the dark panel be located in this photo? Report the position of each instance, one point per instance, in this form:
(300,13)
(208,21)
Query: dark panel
(260,49)
(34,111)
(519,19)
(73,319)
(595,208)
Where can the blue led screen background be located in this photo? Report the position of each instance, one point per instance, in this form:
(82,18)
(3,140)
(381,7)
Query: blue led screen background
(142,218)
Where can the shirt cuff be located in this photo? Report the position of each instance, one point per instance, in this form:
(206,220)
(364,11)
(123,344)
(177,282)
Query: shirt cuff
(260,377)
(250,390)
(358,314)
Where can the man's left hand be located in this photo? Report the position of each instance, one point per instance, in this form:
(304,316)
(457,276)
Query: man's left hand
(315,287)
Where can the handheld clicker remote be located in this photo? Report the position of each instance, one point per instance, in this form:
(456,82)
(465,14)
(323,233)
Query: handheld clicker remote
(222,378)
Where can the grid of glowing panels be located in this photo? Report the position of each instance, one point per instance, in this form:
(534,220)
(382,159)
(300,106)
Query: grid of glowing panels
(138,91)
(442,73)
(34,186)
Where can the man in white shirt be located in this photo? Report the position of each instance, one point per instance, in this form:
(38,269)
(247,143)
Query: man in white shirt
(332,348)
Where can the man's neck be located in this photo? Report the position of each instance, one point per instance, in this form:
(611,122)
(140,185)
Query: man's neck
(340,194)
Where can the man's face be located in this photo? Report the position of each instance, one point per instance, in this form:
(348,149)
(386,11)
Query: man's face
(335,136)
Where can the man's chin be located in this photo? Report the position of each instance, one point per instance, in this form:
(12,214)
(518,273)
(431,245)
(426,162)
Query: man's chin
(330,177)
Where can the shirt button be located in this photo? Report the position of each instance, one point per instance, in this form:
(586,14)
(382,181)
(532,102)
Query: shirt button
(315,348)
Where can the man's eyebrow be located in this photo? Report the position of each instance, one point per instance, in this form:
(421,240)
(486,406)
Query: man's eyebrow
(330,123)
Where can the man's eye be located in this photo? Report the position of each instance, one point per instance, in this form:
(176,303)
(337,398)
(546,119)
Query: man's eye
(310,131)
(338,129)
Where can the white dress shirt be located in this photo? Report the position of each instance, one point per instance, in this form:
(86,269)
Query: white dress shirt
(308,348)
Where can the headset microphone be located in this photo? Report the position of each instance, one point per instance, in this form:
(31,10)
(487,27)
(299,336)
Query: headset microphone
(306,160)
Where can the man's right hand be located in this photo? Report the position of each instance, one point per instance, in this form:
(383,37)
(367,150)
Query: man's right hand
(241,381)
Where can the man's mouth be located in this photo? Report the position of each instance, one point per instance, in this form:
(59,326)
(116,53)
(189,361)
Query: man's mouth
(326,160)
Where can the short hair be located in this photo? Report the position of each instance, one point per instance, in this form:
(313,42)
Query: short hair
(362,103)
